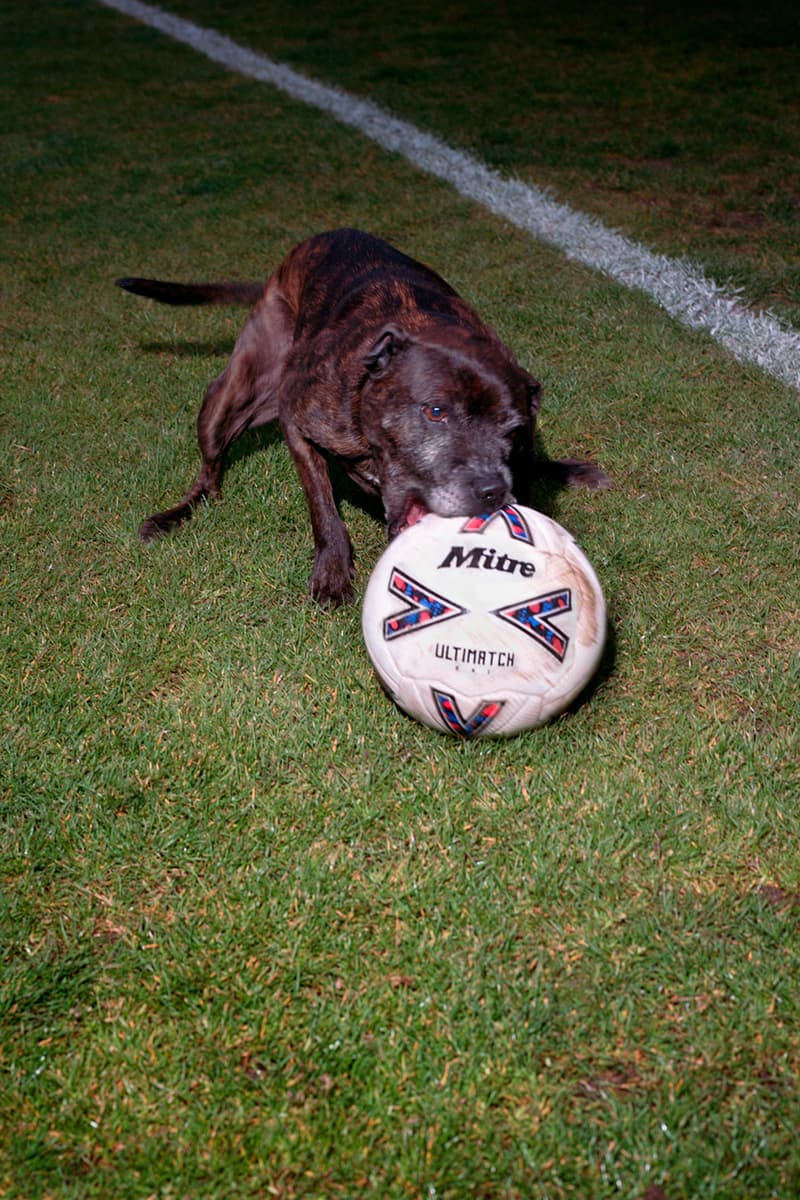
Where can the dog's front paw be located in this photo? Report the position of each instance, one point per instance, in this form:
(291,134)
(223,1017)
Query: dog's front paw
(332,580)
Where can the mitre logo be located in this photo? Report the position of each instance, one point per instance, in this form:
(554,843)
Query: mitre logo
(486,559)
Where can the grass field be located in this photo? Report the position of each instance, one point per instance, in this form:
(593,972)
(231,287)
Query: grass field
(676,123)
(261,935)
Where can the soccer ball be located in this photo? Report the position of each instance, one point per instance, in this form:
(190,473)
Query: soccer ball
(484,625)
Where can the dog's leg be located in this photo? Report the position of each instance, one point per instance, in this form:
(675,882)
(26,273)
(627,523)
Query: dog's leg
(244,397)
(331,580)
(533,471)
(574,472)
(213,446)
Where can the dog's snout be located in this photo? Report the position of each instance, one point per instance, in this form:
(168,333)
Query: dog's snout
(491,492)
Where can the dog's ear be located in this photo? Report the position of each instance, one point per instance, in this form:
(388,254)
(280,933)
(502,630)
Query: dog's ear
(528,393)
(534,397)
(379,356)
(524,448)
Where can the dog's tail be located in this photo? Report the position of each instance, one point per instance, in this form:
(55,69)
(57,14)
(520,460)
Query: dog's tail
(193,293)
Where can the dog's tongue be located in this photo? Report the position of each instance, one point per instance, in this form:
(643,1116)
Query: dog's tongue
(416,512)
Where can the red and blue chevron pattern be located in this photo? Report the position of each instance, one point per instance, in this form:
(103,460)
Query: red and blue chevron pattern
(535,617)
(425,607)
(478,720)
(515,523)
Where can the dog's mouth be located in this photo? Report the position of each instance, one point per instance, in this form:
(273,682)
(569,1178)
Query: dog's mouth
(414,512)
(489,494)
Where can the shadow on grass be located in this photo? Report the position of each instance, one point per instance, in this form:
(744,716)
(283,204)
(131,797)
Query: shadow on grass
(184,349)
(605,669)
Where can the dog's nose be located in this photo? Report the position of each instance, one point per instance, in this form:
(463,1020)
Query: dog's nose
(491,492)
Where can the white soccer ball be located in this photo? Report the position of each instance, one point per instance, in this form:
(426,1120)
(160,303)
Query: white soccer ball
(484,625)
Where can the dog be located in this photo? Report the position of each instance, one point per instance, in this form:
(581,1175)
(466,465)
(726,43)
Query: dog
(370,357)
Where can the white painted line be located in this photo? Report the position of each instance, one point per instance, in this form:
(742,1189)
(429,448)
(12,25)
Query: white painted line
(683,290)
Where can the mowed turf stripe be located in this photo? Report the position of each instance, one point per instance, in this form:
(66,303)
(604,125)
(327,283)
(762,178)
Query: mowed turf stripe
(685,292)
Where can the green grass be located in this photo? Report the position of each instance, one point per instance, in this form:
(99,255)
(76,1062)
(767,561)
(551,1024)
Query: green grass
(676,123)
(259,934)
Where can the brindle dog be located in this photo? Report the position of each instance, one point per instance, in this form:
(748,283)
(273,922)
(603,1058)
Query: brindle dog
(369,356)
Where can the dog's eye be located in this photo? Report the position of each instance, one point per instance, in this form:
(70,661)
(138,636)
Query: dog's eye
(435,412)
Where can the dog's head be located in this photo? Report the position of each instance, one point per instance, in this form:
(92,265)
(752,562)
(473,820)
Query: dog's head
(446,417)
